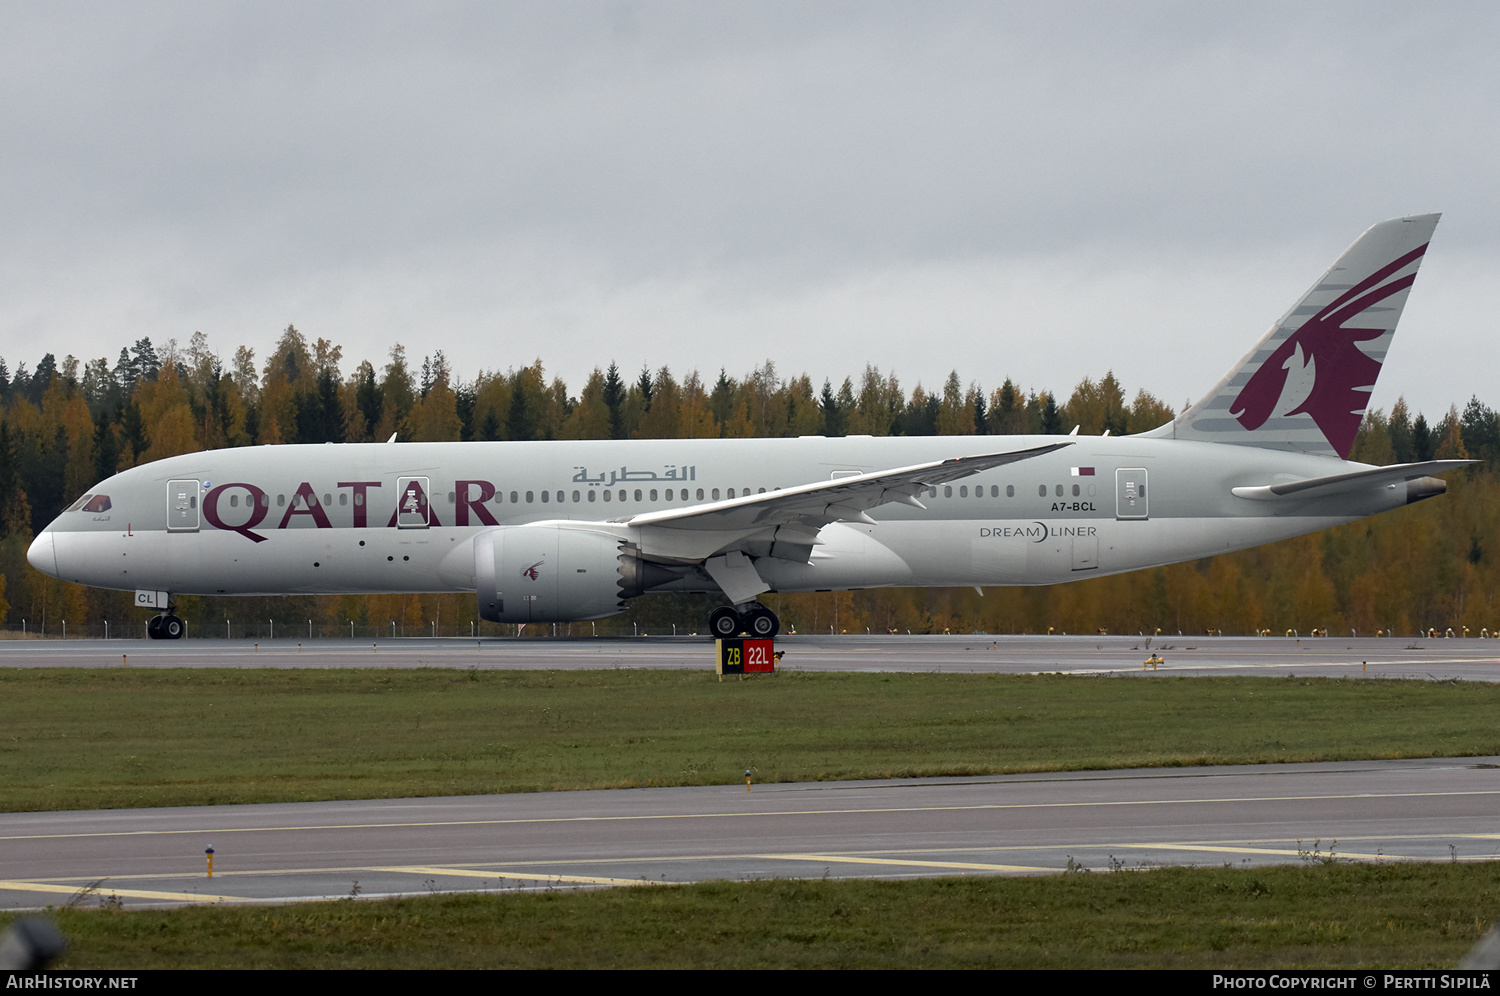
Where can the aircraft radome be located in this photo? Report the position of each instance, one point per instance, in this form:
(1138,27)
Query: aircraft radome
(568,531)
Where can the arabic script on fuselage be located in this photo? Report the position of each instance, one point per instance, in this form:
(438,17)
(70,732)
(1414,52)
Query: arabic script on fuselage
(609,478)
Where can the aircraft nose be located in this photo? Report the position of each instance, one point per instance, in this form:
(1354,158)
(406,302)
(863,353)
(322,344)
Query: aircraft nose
(42,554)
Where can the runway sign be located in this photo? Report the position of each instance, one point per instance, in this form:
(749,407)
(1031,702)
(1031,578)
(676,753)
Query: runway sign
(740,656)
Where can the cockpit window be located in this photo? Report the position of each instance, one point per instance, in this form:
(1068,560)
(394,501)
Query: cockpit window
(79,503)
(96,504)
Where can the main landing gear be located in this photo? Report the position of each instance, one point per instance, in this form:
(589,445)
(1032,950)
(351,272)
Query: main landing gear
(165,626)
(754,619)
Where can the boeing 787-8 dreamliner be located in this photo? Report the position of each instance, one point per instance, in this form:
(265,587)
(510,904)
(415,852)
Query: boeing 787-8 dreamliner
(568,531)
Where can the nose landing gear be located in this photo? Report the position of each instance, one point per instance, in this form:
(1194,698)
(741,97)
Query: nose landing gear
(755,619)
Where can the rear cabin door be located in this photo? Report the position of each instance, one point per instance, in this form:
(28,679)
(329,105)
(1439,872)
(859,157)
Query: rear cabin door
(182,506)
(1131,500)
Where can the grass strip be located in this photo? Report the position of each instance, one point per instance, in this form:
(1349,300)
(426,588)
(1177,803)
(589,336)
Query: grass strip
(107,738)
(1319,916)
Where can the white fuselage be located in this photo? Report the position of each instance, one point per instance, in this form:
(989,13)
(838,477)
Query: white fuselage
(325,519)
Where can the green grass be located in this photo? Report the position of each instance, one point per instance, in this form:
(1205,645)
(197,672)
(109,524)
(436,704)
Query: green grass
(1312,916)
(73,738)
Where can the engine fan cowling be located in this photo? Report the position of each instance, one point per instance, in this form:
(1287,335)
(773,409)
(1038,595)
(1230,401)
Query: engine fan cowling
(544,573)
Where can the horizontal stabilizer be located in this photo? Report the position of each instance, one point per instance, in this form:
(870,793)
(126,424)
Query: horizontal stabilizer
(1359,480)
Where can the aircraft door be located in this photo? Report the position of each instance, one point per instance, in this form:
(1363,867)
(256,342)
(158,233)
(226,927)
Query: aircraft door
(182,506)
(1131,501)
(412,508)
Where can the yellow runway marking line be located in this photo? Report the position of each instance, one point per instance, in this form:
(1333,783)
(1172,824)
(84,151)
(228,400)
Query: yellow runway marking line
(186,897)
(1135,669)
(510,873)
(748,814)
(909,862)
(1233,847)
(1190,665)
(517,869)
(218,873)
(514,869)
(1278,851)
(1350,838)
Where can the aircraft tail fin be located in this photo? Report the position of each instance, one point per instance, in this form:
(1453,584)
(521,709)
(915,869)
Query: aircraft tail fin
(1305,386)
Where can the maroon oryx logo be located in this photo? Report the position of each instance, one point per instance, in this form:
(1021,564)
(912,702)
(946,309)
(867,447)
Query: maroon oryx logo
(1328,354)
(531,572)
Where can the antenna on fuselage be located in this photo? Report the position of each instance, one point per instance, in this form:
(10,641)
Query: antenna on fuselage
(392,439)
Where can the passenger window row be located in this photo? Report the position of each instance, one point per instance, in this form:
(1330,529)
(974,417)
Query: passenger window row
(994,491)
(963,491)
(639,494)
(101,503)
(297,500)
(653,494)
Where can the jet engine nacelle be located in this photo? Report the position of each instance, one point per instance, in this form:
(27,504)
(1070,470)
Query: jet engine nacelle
(546,573)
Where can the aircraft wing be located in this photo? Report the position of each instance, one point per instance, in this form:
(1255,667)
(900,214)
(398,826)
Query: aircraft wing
(784,524)
(843,498)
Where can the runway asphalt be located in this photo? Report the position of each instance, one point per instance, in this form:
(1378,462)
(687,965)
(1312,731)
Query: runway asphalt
(1407,810)
(1025,824)
(1404,657)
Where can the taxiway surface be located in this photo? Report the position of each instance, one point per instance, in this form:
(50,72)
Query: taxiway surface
(1426,810)
(1426,659)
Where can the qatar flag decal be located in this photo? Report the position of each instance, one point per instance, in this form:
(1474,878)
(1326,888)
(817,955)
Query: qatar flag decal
(1083,471)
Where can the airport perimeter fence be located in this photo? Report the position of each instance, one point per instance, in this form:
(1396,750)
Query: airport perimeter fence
(306,629)
(273,629)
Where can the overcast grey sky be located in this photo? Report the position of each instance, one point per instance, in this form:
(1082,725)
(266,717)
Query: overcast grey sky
(1039,191)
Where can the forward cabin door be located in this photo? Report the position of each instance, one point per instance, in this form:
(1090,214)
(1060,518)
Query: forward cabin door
(182,506)
(1131,500)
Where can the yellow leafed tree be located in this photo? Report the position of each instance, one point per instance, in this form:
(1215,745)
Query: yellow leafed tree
(166,416)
